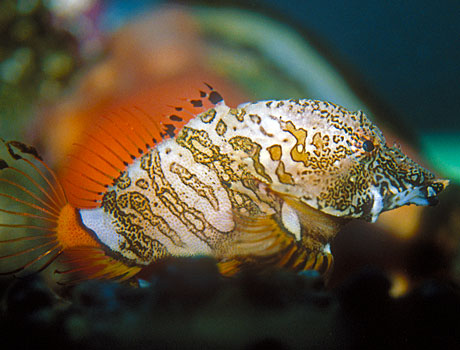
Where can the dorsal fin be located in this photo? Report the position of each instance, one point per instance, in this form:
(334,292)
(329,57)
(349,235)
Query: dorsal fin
(120,137)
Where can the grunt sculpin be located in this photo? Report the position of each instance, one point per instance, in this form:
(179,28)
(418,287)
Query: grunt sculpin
(265,184)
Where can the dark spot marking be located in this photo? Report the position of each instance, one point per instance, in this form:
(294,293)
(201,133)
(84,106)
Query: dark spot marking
(255,118)
(175,118)
(196,103)
(140,151)
(215,97)
(23,148)
(263,131)
(3,164)
(178,109)
(170,130)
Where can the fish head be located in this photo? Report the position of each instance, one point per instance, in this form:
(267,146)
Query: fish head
(344,167)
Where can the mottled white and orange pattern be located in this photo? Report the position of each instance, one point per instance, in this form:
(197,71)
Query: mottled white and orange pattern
(266,184)
(292,169)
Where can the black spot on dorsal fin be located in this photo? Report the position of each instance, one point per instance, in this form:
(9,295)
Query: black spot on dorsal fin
(196,103)
(214,97)
(175,118)
(169,130)
(208,98)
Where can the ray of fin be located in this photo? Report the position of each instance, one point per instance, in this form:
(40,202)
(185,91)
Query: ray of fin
(31,194)
(118,138)
(34,227)
(27,238)
(25,251)
(36,259)
(52,201)
(30,205)
(93,263)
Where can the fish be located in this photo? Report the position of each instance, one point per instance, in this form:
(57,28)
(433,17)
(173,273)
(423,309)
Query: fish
(268,184)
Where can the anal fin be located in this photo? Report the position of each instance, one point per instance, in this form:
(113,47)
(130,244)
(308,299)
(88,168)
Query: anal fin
(93,263)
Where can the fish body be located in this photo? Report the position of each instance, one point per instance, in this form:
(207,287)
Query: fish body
(268,183)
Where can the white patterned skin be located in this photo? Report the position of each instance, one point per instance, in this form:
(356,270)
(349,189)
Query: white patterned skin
(270,159)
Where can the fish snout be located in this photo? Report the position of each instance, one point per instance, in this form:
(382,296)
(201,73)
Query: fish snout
(432,190)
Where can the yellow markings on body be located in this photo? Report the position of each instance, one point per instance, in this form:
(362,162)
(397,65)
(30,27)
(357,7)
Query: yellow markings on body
(192,181)
(283,176)
(221,128)
(252,149)
(298,153)
(238,113)
(208,116)
(275,152)
(320,142)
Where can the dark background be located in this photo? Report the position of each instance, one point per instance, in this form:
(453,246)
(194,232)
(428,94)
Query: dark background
(407,51)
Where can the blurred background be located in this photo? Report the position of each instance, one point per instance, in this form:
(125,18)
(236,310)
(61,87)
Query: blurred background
(63,63)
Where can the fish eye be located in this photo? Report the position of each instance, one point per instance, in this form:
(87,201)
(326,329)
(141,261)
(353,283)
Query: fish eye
(368,146)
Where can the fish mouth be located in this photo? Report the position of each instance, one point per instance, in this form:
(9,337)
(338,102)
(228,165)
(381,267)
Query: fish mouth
(426,194)
(419,195)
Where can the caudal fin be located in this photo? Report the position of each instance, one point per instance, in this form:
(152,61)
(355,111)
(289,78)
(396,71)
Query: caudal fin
(30,202)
